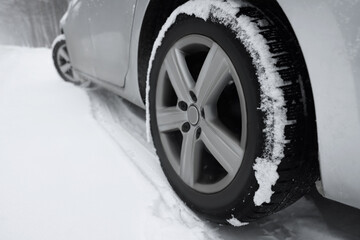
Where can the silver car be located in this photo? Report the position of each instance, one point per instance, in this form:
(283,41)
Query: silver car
(249,103)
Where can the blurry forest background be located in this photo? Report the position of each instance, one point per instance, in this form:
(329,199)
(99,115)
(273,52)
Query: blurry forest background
(30,23)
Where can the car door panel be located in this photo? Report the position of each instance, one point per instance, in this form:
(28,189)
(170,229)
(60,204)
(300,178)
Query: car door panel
(78,38)
(110,27)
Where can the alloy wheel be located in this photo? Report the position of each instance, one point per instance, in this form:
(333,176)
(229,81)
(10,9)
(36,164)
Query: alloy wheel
(63,61)
(201,113)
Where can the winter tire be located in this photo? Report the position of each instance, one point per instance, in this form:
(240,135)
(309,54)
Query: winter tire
(61,59)
(215,139)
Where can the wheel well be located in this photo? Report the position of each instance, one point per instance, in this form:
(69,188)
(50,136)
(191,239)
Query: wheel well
(156,15)
(159,10)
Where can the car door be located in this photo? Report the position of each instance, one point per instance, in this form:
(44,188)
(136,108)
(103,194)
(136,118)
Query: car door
(110,27)
(78,40)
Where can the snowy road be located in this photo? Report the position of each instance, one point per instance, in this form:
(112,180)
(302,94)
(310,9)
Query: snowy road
(76,165)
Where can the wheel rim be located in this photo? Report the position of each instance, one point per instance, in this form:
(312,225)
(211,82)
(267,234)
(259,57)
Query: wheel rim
(201,114)
(63,61)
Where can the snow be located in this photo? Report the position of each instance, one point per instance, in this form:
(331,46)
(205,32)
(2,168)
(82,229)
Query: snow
(272,99)
(76,165)
(57,39)
(266,175)
(63,177)
(236,223)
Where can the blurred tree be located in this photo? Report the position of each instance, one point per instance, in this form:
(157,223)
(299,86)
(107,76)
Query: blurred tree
(32,23)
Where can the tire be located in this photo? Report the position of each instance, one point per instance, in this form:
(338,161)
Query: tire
(229,124)
(61,60)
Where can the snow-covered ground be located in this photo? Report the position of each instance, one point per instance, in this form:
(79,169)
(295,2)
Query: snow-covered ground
(76,165)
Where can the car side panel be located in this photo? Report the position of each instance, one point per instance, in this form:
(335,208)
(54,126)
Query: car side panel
(77,31)
(130,91)
(329,35)
(110,27)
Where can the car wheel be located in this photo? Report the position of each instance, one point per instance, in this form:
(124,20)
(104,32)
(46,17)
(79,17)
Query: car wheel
(216,143)
(63,65)
(61,59)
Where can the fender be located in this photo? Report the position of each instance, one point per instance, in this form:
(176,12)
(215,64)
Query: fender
(325,35)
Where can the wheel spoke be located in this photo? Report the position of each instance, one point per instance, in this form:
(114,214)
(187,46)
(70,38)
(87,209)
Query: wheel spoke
(204,135)
(64,55)
(223,146)
(179,74)
(170,118)
(65,68)
(190,158)
(213,76)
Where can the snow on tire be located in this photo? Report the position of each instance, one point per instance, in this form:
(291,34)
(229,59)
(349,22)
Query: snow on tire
(242,148)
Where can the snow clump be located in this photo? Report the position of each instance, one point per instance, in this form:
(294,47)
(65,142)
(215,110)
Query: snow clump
(235,222)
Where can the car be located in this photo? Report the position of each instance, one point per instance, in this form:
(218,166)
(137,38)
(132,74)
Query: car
(250,103)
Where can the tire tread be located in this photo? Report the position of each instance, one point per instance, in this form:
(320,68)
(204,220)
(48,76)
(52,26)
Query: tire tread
(298,171)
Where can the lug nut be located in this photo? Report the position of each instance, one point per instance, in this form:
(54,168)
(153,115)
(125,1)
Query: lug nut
(183,106)
(198,133)
(185,127)
(193,96)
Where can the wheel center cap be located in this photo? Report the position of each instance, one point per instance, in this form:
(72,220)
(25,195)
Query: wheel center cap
(193,115)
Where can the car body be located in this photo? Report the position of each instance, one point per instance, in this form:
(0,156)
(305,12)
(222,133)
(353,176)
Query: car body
(106,40)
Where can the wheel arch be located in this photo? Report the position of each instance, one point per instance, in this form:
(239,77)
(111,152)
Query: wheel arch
(151,25)
(153,21)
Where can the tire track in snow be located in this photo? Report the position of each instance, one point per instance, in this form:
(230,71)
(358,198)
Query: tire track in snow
(128,131)
(121,121)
